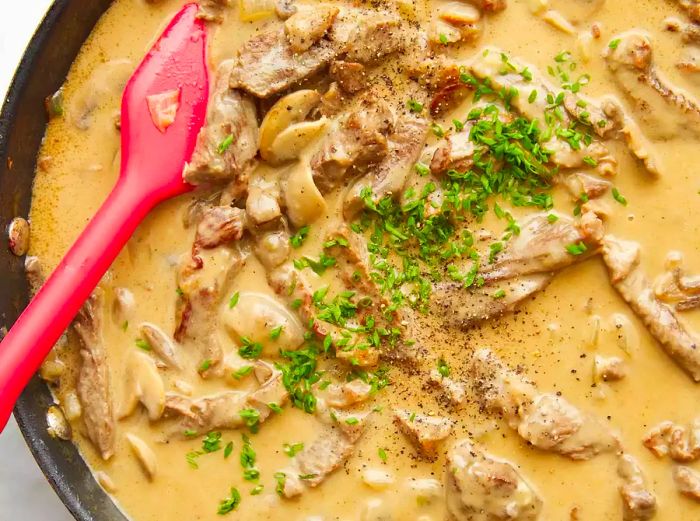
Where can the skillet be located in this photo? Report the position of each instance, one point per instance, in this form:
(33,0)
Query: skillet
(23,120)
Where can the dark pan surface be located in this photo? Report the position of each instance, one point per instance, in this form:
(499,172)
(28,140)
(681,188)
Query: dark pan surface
(22,124)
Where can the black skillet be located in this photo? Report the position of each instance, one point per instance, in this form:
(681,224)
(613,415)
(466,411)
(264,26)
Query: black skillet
(41,72)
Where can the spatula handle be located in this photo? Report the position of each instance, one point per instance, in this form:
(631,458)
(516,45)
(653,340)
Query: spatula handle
(53,308)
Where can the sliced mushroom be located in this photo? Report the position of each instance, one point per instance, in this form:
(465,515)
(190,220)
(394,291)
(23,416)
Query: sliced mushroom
(123,306)
(143,384)
(58,426)
(18,236)
(145,455)
(304,201)
(256,315)
(289,110)
(289,143)
(161,343)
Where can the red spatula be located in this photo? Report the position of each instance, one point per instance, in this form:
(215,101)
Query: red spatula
(151,171)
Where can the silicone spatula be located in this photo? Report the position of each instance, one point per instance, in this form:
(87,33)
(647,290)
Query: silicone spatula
(153,158)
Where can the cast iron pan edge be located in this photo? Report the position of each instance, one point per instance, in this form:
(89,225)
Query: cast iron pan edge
(41,72)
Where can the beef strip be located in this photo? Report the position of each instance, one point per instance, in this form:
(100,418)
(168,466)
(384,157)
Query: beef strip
(481,487)
(371,35)
(212,10)
(489,64)
(636,141)
(466,307)
(638,502)
(93,384)
(388,177)
(667,111)
(425,432)
(268,65)
(455,153)
(627,277)
(455,391)
(541,246)
(359,143)
(219,225)
(687,482)
(346,394)
(680,443)
(351,76)
(546,420)
(228,141)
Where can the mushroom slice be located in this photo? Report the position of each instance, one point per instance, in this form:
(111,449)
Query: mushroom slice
(303,199)
(289,110)
(57,425)
(145,455)
(143,384)
(161,343)
(256,315)
(459,13)
(289,143)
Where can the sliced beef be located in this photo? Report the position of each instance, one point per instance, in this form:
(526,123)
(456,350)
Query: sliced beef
(691,8)
(456,152)
(541,246)
(219,225)
(268,65)
(201,415)
(361,141)
(455,391)
(425,432)
(687,482)
(370,35)
(481,487)
(627,277)
(351,76)
(307,26)
(466,307)
(665,109)
(579,183)
(546,420)
(228,141)
(93,384)
(638,502)
(680,443)
(388,177)
(346,394)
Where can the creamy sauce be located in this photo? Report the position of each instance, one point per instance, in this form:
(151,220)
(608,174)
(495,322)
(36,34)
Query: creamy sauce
(550,335)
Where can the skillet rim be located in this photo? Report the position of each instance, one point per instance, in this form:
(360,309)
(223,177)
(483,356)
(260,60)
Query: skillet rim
(60,461)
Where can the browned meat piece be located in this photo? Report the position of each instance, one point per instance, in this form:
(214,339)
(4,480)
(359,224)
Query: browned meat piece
(589,112)
(212,10)
(622,260)
(546,420)
(542,246)
(579,183)
(371,37)
(636,141)
(360,141)
(307,26)
(346,394)
(455,391)
(609,369)
(200,415)
(351,76)
(562,155)
(262,206)
(268,65)
(388,178)
(638,502)
(687,482)
(664,108)
(93,385)
(161,344)
(425,432)
(454,153)
(272,391)
(691,8)
(219,225)
(272,247)
(228,141)
(465,307)
(481,487)
(681,444)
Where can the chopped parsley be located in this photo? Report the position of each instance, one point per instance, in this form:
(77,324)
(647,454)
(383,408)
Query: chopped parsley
(614,43)
(250,349)
(280,478)
(251,417)
(500,293)
(143,344)
(292,449)
(352,421)
(443,368)
(299,237)
(619,197)
(234,300)
(382,454)
(206,364)
(231,503)
(225,144)
(228,449)
(242,372)
(276,332)
(578,248)
(414,106)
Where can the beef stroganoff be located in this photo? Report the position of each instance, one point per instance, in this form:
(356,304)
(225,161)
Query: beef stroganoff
(441,262)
